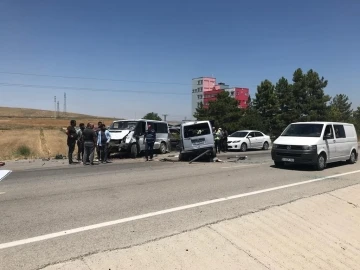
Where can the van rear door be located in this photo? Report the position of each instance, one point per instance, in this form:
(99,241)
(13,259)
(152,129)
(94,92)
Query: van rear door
(197,136)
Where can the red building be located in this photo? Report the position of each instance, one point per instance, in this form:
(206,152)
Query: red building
(240,94)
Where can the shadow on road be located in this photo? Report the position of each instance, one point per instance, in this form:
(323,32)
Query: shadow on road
(300,167)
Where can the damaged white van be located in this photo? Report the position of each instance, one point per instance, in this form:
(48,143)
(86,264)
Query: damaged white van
(316,143)
(128,136)
(196,137)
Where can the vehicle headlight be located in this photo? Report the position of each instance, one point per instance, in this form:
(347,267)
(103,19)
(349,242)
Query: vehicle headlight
(236,141)
(309,147)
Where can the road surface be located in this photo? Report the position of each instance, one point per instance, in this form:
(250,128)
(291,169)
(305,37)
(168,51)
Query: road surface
(50,215)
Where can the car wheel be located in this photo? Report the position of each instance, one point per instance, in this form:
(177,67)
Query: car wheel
(279,164)
(243,147)
(352,159)
(162,148)
(134,151)
(266,146)
(321,162)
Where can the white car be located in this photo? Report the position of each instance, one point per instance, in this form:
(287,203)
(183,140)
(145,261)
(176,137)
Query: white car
(248,139)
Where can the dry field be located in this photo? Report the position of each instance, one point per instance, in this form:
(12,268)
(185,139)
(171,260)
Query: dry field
(28,133)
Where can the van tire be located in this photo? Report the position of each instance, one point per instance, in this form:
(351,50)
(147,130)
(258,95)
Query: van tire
(352,159)
(321,162)
(162,148)
(243,147)
(134,151)
(182,157)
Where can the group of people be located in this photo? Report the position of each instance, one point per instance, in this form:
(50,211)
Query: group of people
(221,140)
(90,140)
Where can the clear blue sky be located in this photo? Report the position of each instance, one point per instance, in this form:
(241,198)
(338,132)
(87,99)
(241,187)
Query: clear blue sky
(239,42)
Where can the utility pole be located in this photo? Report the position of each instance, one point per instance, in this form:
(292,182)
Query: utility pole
(58,109)
(64,104)
(165,116)
(55,106)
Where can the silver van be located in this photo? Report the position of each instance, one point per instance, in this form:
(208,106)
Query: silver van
(128,136)
(196,137)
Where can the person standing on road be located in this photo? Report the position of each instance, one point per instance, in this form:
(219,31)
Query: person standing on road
(71,140)
(89,137)
(225,140)
(80,142)
(103,140)
(149,139)
(97,130)
(218,136)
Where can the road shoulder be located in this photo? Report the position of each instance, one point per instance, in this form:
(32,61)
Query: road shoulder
(319,232)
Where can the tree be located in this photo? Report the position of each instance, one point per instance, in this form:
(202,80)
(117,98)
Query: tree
(224,111)
(356,120)
(152,116)
(287,102)
(340,108)
(311,101)
(266,104)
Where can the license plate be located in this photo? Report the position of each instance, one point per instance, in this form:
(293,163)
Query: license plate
(288,160)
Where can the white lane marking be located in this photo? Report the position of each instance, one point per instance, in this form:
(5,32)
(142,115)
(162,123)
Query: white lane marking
(4,173)
(2,193)
(162,212)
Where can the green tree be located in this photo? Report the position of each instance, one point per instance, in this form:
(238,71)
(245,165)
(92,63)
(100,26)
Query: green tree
(311,100)
(340,108)
(152,116)
(224,111)
(266,104)
(356,120)
(287,102)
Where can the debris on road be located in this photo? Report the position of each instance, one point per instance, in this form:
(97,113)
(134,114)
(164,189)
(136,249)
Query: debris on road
(199,156)
(167,160)
(2,164)
(217,160)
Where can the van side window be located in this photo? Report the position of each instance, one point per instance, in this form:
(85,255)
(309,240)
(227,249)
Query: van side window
(339,131)
(140,128)
(161,128)
(329,131)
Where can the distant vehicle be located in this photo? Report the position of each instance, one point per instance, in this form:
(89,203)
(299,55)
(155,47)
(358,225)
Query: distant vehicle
(248,139)
(174,136)
(316,143)
(196,138)
(128,136)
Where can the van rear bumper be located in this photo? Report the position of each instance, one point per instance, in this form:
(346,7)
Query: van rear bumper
(294,156)
(199,151)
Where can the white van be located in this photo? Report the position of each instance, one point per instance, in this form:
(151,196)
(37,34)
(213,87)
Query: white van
(316,143)
(128,136)
(196,137)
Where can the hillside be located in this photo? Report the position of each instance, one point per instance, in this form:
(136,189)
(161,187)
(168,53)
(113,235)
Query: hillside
(34,113)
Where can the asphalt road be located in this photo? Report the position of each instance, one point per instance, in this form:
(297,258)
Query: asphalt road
(44,201)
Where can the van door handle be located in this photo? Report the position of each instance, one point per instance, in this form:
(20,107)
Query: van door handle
(334,140)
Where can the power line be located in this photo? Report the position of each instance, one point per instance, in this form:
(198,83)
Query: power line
(89,78)
(90,89)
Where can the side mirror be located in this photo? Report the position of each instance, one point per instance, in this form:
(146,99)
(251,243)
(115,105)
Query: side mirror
(249,136)
(327,136)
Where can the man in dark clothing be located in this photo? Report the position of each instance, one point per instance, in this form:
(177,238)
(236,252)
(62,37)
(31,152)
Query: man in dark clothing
(89,138)
(71,139)
(80,142)
(98,129)
(149,139)
(225,140)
